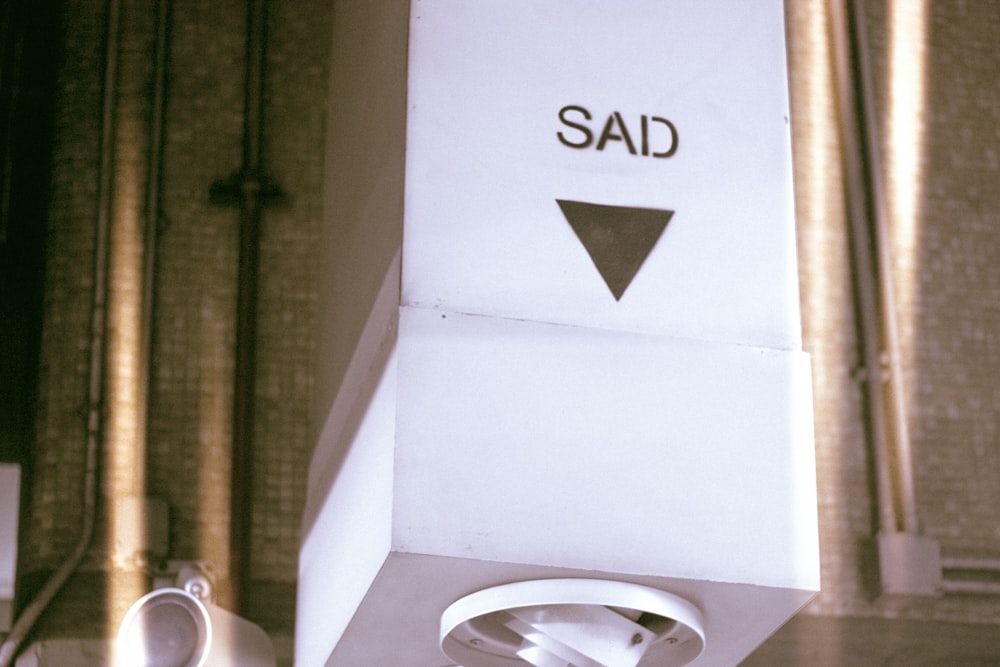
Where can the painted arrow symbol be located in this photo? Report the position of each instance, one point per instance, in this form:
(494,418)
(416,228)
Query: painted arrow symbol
(617,238)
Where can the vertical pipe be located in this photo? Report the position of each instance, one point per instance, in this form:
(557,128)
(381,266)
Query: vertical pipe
(863,259)
(253,119)
(246,308)
(250,189)
(152,229)
(9,73)
(872,257)
(901,450)
(98,324)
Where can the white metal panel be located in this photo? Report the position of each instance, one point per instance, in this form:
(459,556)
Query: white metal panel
(485,164)
(399,622)
(347,531)
(579,447)
(532,417)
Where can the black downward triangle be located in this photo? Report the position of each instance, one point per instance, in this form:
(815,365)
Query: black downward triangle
(617,238)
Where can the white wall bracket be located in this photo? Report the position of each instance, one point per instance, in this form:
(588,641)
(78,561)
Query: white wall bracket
(909,564)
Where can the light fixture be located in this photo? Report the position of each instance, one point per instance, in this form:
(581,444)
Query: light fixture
(171,627)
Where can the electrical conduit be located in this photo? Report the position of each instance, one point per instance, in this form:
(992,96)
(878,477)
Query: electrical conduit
(98,322)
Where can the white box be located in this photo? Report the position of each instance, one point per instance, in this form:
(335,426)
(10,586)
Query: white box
(491,408)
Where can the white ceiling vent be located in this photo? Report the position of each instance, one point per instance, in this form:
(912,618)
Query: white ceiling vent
(572,623)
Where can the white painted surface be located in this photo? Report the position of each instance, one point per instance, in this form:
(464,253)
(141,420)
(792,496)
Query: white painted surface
(398,624)
(100,653)
(521,423)
(484,165)
(347,536)
(363,197)
(10,503)
(493,450)
(590,448)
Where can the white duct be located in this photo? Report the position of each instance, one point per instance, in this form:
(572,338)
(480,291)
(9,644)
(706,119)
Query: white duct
(561,332)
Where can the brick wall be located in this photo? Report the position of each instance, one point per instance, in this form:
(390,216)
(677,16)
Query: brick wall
(946,278)
(191,376)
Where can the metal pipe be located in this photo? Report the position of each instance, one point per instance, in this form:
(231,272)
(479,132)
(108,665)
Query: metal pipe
(900,442)
(253,117)
(98,323)
(250,189)
(970,575)
(969,587)
(152,229)
(246,312)
(979,575)
(970,564)
(844,37)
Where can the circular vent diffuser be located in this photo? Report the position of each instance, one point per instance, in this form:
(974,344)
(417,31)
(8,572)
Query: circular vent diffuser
(572,623)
